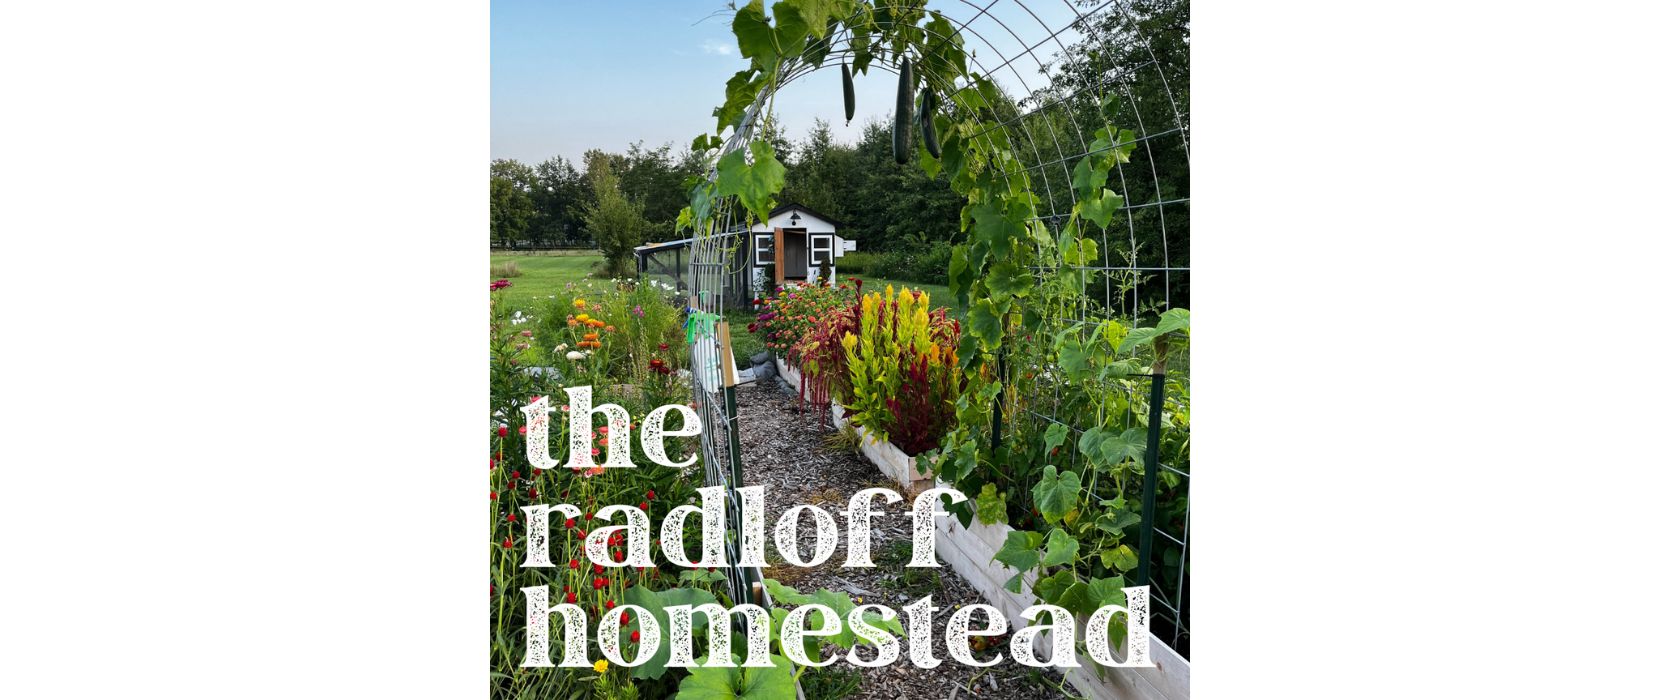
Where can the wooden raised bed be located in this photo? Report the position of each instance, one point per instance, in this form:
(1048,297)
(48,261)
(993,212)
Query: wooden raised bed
(969,550)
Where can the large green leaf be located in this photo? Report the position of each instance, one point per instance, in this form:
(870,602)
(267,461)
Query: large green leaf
(791,29)
(1129,444)
(1054,435)
(1114,520)
(754,184)
(656,602)
(1049,588)
(992,229)
(1100,209)
(1020,549)
(1174,320)
(816,13)
(1056,493)
(1121,558)
(1089,177)
(1007,279)
(984,323)
(1060,549)
(1073,360)
(1137,337)
(1111,591)
(754,35)
(736,682)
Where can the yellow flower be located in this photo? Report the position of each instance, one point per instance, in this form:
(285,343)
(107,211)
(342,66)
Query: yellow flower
(601,666)
(579,303)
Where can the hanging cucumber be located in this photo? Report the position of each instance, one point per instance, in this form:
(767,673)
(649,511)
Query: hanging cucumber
(930,140)
(901,119)
(846,87)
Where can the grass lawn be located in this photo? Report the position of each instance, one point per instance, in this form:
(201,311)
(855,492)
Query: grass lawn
(546,273)
(938,294)
(542,274)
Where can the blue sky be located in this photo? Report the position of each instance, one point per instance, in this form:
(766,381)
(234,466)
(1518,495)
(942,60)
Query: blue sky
(567,75)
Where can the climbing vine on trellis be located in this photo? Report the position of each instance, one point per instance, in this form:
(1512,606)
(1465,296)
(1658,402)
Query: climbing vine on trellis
(1015,278)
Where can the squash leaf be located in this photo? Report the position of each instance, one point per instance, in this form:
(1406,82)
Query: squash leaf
(1056,493)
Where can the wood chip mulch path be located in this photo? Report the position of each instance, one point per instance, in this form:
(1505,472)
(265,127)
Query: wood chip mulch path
(784,450)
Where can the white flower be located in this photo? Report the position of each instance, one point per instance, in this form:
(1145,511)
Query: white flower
(574,356)
(560,348)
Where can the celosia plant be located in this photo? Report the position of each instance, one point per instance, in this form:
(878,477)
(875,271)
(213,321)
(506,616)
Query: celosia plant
(822,354)
(903,368)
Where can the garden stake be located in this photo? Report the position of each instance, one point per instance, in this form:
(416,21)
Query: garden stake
(1151,469)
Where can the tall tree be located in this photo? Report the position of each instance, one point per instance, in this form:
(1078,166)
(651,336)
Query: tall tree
(561,195)
(615,222)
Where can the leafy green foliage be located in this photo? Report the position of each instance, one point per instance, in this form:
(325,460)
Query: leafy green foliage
(1057,493)
(990,507)
(1060,549)
(754,183)
(738,682)
(656,602)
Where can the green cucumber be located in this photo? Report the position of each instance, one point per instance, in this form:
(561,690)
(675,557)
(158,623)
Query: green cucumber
(846,87)
(901,120)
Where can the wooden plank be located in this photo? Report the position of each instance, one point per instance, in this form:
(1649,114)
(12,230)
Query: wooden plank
(778,245)
(727,356)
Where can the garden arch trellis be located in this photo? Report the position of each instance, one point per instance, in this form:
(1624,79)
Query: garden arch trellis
(1122,92)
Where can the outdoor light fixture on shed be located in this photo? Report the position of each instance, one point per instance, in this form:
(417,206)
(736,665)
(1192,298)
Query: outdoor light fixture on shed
(794,219)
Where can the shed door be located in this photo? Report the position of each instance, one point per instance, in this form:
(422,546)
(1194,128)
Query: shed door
(794,254)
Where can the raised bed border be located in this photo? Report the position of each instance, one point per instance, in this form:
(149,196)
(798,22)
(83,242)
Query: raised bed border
(1169,680)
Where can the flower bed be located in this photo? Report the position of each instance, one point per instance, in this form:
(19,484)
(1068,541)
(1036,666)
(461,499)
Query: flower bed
(887,359)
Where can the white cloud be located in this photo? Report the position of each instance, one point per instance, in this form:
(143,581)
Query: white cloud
(718,48)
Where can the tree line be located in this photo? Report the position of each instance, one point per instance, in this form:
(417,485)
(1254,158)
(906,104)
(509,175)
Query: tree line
(1137,54)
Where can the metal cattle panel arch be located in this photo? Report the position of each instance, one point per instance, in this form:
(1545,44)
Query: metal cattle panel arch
(1146,267)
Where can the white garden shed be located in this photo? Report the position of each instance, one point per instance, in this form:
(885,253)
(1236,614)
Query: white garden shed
(795,245)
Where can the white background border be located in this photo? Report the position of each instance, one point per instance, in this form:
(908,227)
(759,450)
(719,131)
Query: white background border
(1433,251)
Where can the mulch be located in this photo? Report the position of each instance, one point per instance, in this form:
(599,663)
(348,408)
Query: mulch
(784,450)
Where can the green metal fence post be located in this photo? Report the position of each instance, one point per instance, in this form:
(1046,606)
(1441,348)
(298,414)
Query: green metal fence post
(1151,472)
